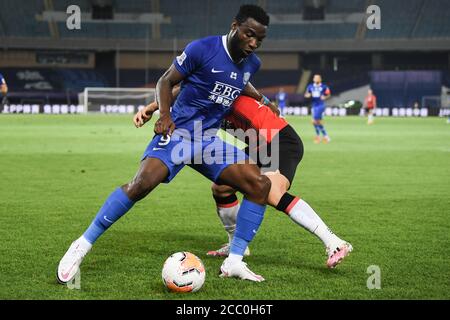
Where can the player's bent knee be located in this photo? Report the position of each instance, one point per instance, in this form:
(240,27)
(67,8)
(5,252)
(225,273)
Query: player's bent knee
(258,189)
(140,187)
(222,190)
(265,188)
(136,191)
(150,174)
(278,188)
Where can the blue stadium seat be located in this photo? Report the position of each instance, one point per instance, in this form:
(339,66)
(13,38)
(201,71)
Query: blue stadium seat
(401,19)
(347,6)
(20,20)
(435,20)
(397,19)
(313,31)
(61,5)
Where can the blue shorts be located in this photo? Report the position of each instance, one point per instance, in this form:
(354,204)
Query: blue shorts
(318,112)
(209,155)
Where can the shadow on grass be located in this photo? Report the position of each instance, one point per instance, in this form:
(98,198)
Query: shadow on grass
(158,245)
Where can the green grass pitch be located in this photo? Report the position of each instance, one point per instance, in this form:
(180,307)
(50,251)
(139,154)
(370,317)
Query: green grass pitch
(385,188)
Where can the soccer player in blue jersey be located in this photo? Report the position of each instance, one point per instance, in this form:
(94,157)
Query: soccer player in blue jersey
(3,89)
(213,72)
(318,92)
(281,99)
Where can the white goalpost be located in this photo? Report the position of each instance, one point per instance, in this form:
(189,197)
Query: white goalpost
(115,100)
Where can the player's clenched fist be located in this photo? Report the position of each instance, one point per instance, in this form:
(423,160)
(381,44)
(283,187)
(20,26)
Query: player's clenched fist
(164,125)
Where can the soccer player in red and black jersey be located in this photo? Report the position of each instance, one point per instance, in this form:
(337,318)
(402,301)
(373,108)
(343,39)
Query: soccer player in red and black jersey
(370,103)
(248,113)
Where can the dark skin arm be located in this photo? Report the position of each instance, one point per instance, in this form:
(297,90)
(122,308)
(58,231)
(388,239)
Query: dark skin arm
(146,113)
(250,91)
(164,125)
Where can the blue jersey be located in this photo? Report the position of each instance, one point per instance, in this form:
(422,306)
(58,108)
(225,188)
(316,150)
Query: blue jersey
(213,81)
(281,98)
(2,80)
(316,92)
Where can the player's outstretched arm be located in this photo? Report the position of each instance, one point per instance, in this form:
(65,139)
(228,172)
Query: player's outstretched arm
(307,93)
(145,114)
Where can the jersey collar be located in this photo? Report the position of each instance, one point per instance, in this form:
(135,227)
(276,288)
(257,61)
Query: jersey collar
(224,43)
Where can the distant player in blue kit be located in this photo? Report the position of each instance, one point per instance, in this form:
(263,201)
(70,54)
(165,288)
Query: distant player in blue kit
(318,92)
(213,72)
(281,99)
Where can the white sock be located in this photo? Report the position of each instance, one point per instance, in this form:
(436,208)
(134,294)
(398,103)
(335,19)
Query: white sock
(302,214)
(228,217)
(370,118)
(85,245)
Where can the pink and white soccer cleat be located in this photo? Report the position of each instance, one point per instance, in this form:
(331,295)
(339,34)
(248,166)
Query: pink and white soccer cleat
(238,270)
(224,251)
(70,263)
(337,253)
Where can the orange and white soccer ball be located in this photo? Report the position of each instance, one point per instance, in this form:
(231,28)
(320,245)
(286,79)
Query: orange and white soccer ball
(183,272)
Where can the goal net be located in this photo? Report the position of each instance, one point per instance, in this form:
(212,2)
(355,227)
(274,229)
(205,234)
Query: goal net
(432,102)
(115,100)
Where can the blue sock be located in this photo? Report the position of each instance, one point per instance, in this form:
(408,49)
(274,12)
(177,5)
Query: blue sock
(249,219)
(322,129)
(317,129)
(114,207)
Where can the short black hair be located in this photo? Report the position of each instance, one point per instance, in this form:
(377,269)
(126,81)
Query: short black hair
(252,11)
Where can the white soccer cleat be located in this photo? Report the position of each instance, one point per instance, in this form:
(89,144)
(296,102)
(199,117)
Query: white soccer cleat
(336,253)
(70,263)
(224,251)
(238,270)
